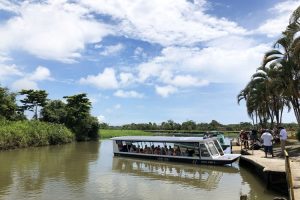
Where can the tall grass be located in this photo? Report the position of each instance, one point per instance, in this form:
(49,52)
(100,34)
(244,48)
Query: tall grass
(107,133)
(32,133)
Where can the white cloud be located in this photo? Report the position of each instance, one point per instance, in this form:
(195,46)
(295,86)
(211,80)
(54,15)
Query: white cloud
(281,13)
(105,80)
(192,66)
(187,81)
(165,22)
(126,78)
(29,80)
(25,84)
(139,53)
(165,91)
(9,70)
(40,73)
(112,50)
(7,6)
(51,30)
(128,94)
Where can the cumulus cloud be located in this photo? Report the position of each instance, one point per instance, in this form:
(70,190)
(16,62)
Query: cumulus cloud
(24,83)
(40,73)
(139,53)
(112,50)
(54,30)
(128,94)
(165,22)
(281,13)
(193,66)
(165,91)
(187,81)
(105,80)
(29,80)
(9,70)
(126,78)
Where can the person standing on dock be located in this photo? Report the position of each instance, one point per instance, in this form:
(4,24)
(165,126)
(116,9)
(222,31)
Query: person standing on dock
(283,138)
(268,146)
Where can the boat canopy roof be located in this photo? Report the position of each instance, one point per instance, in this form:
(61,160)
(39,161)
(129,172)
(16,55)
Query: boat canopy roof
(161,139)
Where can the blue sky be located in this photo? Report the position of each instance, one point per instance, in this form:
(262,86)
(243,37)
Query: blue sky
(138,60)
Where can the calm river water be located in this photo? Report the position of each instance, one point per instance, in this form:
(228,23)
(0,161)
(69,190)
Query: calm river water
(90,171)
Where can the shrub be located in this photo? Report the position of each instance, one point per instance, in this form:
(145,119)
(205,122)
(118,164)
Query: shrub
(32,133)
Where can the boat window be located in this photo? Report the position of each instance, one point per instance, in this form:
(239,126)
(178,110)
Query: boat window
(219,147)
(203,151)
(212,148)
(189,149)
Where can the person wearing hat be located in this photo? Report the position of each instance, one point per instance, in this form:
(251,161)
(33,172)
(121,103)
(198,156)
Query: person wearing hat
(283,137)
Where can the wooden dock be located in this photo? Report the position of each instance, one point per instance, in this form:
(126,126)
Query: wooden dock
(272,170)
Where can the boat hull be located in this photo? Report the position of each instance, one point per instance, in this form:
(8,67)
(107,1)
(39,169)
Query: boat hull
(178,159)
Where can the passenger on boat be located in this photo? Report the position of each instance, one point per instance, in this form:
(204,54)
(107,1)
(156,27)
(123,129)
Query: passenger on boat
(146,149)
(132,149)
(163,151)
(177,151)
(170,151)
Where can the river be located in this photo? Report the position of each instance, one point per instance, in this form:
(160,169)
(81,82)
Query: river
(89,170)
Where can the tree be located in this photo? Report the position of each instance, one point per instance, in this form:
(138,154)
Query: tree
(104,125)
(33,100)
(188,125)
(54,111)
(8,105)
(79,119)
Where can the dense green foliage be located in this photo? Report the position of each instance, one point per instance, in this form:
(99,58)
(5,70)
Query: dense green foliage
(184,126)
(79,119)
(54,111)
(8,105)
(58,118)
(276,83)
(18,134)
(109,133)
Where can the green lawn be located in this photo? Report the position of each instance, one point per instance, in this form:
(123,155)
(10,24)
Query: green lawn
(107,133)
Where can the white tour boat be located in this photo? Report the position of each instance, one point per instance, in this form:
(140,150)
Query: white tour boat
(178,149)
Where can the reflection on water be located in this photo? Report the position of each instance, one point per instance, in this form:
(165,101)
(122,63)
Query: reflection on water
(89,171)
(205,177)
(25,173)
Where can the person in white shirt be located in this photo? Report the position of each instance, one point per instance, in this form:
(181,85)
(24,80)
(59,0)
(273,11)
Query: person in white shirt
(267,141)
(283,138)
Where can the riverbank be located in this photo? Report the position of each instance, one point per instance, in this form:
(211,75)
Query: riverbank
(20,134)
(109,133)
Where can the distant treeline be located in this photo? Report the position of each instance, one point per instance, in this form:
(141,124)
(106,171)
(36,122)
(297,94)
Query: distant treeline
(191,126)
(52,121)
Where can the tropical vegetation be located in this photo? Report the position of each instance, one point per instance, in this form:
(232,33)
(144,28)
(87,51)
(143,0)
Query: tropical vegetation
(276,84)
(53,121)
(18,134)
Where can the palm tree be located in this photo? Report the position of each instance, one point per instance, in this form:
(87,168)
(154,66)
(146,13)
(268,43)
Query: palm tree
(276,84)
